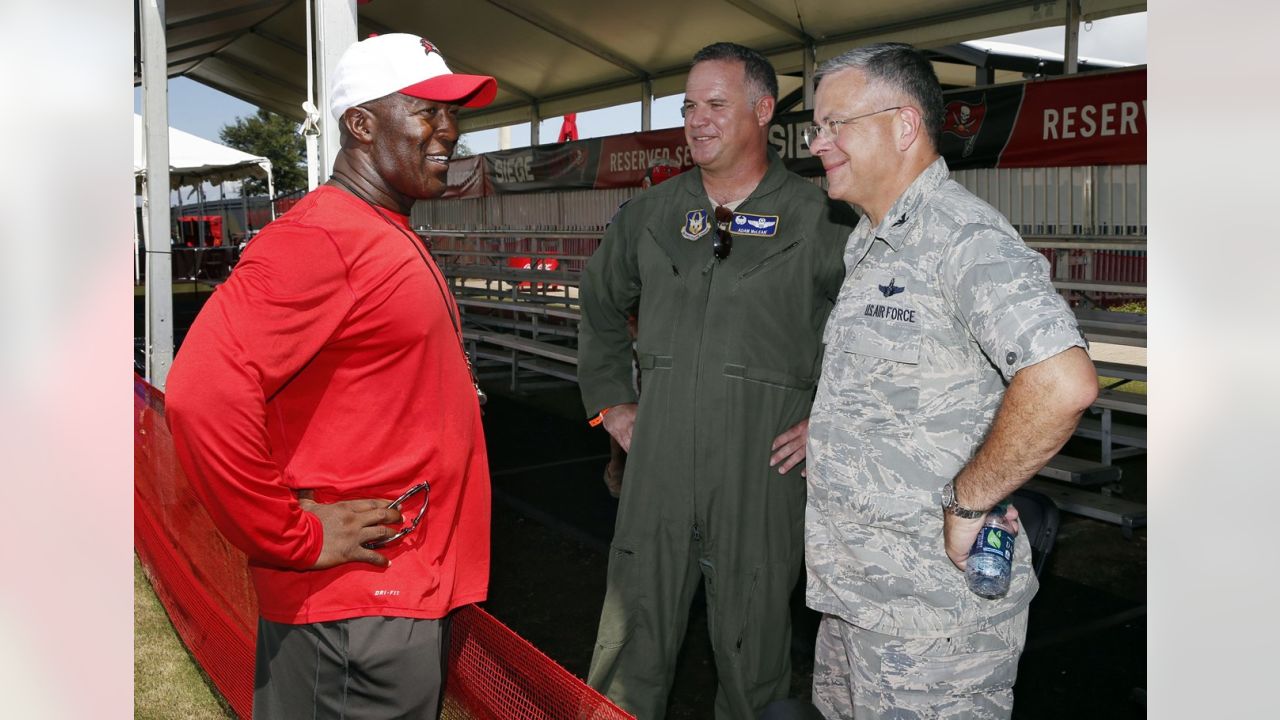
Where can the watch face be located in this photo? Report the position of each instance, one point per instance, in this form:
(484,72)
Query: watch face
(948,495)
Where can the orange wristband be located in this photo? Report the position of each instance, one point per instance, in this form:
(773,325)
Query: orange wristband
(593,422)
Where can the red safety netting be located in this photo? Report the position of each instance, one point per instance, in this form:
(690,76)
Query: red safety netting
(203,583)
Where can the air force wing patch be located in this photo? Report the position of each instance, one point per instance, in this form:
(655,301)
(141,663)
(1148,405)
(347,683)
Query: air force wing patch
(756,225)
(695,225)
(890,290)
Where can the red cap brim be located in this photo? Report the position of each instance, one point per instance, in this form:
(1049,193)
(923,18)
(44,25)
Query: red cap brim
(465,90)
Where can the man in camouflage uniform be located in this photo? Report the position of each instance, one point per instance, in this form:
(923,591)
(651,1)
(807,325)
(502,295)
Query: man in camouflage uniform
(735,265)
(952,373)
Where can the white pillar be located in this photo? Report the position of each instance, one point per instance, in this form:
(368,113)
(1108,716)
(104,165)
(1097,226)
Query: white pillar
(335,31)
(504,137)
(155,127)
(1071,49)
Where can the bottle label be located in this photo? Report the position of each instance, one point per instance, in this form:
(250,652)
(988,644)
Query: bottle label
(995,541)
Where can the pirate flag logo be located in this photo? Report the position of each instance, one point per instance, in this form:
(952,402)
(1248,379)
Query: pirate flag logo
(964,120)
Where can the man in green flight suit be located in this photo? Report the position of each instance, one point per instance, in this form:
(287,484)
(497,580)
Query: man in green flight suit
(735,265)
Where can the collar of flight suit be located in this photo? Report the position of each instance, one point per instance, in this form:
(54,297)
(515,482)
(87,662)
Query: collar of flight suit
(895,228)
(774,176)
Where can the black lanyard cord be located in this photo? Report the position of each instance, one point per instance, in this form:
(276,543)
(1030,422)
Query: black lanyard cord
(417,244)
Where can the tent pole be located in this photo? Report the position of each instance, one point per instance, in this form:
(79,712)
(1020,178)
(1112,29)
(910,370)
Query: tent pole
(646,105)
(244,208)
(200,212)
(310,128)
(1071,46)
(271,195)
(810,59)
(535,124)
(222,210)
(155,102)
(335,31)
(137,269)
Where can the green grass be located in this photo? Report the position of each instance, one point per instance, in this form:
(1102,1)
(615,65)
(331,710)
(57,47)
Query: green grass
(167,683)
(1135,306)
(1134,386)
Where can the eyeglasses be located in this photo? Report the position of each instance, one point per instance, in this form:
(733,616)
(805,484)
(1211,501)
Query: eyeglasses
(812,132)
(422,487)
(723,241)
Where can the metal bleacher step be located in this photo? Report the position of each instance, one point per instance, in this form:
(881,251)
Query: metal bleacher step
(525,307)
(1129,402)
(493,323)
(1077,471)
(533,347)
(1127,435)
(1106,508)
(1124,371)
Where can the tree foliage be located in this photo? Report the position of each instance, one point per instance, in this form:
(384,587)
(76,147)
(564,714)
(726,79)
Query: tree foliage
(276,138)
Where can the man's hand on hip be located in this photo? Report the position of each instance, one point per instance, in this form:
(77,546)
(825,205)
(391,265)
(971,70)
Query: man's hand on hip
(789,448)
(347,526)
(619,422)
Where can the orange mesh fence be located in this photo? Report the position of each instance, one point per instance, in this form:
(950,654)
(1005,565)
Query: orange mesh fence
(495,674)
(200,578)
(203,583)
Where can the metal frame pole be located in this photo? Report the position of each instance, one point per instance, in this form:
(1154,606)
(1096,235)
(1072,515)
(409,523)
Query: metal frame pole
(155,125)
(335,31)
(646,105)
(810,60)
(1071,50)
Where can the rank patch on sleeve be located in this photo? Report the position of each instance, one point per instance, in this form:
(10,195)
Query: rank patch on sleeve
(757,225)
(695,225)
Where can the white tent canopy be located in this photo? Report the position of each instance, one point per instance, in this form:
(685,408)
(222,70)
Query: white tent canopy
(552,57)
(193,160)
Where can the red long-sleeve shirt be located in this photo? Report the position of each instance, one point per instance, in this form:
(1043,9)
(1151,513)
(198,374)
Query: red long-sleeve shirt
(329,361)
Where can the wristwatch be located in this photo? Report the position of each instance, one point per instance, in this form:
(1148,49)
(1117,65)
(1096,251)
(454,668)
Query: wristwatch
(950,505)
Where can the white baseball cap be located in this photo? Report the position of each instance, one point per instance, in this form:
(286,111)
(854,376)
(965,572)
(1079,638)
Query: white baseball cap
(404,63)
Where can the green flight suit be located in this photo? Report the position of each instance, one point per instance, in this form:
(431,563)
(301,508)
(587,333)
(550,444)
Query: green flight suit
(729,353)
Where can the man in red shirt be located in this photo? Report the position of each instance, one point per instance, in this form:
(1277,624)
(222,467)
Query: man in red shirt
(326,379)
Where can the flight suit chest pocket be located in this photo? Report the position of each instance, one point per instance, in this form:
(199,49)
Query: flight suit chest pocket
(881,388)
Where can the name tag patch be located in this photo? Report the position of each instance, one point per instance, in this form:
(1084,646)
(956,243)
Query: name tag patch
(756,225)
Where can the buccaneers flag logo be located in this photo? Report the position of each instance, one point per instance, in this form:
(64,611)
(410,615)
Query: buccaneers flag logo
(428,47)
(964,120)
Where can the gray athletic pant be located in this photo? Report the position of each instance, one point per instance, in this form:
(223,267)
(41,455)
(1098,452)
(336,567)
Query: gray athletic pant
(365,668)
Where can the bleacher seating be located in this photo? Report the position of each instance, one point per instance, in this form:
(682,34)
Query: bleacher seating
(526,321)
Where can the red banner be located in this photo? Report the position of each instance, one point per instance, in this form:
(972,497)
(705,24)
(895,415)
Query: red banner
(624,159)
(1099,118)
(467,178)
(1083,120)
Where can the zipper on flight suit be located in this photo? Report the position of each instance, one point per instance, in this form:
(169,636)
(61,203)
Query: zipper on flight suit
(707,269)
(756,268)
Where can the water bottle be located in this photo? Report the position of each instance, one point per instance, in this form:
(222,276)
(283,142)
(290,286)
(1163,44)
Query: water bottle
(990,564)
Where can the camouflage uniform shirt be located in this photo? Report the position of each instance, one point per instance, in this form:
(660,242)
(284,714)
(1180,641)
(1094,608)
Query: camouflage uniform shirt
(940,306)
